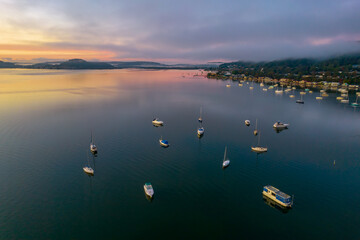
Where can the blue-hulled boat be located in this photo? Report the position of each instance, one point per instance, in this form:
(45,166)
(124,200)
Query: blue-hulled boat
(278,196)
(164,143)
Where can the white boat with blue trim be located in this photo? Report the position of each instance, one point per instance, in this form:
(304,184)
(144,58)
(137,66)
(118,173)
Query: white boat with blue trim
(278,196)
(164,143)
(200,131)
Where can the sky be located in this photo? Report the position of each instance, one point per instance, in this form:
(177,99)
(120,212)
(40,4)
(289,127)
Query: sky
(177,31)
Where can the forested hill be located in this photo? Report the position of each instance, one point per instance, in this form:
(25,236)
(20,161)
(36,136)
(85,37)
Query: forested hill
(297,68)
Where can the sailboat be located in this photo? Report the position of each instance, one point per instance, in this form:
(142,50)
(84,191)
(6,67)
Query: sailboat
(255,131)
(355,104)
(226,161)
(300,101)
(93,147)
(259,149)
(163,143)
(200,118)
(87,169)
(200,131)
(277,91)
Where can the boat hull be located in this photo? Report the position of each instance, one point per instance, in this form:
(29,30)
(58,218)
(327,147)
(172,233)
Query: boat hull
(226,164)
(268,195)
(259,149)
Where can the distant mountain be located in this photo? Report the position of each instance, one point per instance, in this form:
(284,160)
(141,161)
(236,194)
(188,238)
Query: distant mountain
(7,65)
(82,64)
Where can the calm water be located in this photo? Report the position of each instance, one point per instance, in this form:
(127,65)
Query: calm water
(46,118)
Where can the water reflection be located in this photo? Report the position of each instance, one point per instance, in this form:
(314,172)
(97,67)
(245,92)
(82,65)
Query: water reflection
(275,205)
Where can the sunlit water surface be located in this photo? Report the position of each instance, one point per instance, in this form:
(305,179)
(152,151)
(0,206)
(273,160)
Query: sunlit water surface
(46,118)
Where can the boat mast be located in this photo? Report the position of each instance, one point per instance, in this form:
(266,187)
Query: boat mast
(225,154)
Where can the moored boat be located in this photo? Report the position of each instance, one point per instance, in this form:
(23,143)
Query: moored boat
(247,122)
(278,196)
(149,191)
(280,125)
(164,143)
(157,122)
(88,170)
(200,131)
(226,161)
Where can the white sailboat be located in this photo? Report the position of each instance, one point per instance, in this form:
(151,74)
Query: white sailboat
(259,149)
(87,169)
(226,161)
(93,147)
(200,118)
(300,101)
(200,131)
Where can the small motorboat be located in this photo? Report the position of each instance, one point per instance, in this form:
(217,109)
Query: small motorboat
(149,191)
(300,101)
(200,131)
(292,96)
(247,122)
(157,122)
(280,125)
(164,143)
(228,85)
(88,170)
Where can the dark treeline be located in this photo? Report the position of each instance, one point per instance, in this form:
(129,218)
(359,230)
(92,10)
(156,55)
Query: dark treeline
(344,68)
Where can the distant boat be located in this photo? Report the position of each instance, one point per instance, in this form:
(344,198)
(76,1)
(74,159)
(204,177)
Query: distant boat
(226,161)
(261,84)
(164,143)
(259,149)
(247,122)
(280,125)
(355,104)
(93,147)
(157,122)
(279,197)
(264,89)
(87,169)
(228,85)
(200,118)
(302,93)
(240,85)
(293,88)
(149,191)
(300,101)
(292,96)
(256,131)
(277,91)
(200,131)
